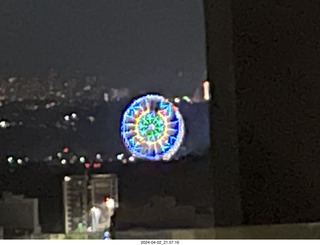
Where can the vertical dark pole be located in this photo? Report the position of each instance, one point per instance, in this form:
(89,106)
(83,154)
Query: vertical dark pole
(223,120)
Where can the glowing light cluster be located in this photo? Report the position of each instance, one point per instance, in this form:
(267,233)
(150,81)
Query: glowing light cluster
(152,128)
(206,90)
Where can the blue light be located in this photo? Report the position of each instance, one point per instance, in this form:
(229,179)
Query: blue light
(151,132)
(106,235)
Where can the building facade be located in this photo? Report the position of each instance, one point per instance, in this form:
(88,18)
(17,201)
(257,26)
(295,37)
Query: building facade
(18,215)
(85,199)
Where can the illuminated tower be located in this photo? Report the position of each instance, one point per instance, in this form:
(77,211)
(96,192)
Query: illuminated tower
(75,202)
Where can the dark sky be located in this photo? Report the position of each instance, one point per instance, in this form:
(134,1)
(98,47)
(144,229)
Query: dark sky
(141,44)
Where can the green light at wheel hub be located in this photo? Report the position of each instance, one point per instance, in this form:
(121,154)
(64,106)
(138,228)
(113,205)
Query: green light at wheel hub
(151,126)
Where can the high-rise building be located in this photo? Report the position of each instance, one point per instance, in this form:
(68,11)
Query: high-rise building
(82,195)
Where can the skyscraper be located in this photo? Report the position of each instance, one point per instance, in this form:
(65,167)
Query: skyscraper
(82,195)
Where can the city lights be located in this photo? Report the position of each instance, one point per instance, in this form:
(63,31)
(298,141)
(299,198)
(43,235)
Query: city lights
(50,105)
(150,128)
(10,159)
(120,156)
(67,178)
(96,165)
(4,124)
(67,117)
(12,79)
(91,119)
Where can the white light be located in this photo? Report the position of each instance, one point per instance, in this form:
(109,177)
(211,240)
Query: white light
(59,154)
(98,156)
(120,156)
(4,124)
(206,90)
(91,118)
(19,161)
(87,88)
(67,178)
(63,161)
(110,203)
(12,79)
(176,100)
(74,115)
(106,97)
(82,159)
(67,117)
(10,159)
(131,159)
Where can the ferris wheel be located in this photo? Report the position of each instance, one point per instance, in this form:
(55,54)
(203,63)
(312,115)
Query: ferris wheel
(152,128)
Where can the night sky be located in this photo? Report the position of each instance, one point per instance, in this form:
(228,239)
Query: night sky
(141,44)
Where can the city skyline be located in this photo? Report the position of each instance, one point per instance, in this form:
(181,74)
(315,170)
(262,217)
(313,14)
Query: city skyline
(142,45)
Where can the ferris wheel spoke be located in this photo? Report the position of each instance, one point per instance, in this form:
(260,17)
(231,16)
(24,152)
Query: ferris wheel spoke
(172,131)
(173,125)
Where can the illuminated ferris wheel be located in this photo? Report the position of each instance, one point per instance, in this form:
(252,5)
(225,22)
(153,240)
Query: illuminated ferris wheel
(152,128)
